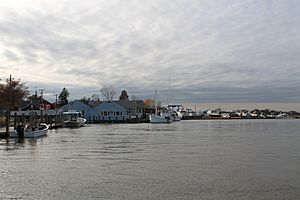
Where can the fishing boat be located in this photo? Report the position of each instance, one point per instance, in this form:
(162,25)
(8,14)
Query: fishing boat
(30,131)
(174,109)
(73,119)
(176,116)
(164,117)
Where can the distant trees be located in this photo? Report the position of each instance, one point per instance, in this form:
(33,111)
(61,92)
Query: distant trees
(95,97)
(108,93)
(63,97)
(149,103)
(124,96)
(12,92)
(35,97)
(85,99)
(134,98)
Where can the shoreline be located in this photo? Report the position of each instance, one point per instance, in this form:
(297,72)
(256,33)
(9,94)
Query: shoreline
(281,106)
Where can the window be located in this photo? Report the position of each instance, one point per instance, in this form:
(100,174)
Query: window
(104,113)
(118,113)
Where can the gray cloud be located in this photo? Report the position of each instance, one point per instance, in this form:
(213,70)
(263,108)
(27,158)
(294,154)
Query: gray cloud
(210,50)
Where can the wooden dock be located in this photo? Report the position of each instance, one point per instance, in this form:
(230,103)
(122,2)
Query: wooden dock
(51,117)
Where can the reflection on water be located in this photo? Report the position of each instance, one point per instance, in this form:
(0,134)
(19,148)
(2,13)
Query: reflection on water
(238,159)
(17,143)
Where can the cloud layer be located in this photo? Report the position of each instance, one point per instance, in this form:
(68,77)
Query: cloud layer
(211,51)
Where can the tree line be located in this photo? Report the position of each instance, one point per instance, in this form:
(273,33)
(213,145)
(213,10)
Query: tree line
(13,92)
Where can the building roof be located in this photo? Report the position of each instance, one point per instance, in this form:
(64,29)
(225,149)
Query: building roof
(130,104)
(109,105)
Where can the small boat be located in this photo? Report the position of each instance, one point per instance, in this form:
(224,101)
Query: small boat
(73,119)
(164,117)
(30,131)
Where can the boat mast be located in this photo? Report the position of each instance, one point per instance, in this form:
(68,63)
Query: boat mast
(155,102)
(169,93)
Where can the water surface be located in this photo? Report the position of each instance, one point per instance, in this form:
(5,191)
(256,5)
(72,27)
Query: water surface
(234,159)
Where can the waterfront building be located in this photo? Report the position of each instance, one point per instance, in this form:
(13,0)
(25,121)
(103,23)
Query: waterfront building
(110,112)
(134,108)
(79,107)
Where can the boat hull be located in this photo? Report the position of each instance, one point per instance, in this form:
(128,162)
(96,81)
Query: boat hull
(40,132)
(160,119)
(74,124)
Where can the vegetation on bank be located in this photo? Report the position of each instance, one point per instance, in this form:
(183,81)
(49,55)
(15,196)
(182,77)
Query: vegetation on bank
(12,92)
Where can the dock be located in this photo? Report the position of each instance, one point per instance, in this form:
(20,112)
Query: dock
(51,117)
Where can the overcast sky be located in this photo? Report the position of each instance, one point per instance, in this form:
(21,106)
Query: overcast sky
(211,51)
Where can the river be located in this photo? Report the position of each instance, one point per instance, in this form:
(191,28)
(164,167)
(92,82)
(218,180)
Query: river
(229,159)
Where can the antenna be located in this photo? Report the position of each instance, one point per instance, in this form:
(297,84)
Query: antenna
(42,92)
(169,93)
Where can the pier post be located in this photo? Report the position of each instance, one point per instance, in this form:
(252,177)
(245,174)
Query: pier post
(55,122)
(42,116)
(7,123)
(51,120)
(60,119)
(15,121)
(23,118)
(46,118)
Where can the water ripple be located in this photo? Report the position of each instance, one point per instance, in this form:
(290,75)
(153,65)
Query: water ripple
(234,159)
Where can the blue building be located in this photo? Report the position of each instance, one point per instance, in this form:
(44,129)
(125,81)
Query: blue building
(77,105)
(103,112)
(110,111)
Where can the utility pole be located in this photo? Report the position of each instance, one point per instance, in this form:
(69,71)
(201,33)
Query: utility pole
(8,109)
(55,101)
(55,110)
(42,100)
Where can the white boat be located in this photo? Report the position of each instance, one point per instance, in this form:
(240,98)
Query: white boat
(30,131)
(176,116)
(73,119)
(162,118)
(282,116)
(174,110)
(165,117)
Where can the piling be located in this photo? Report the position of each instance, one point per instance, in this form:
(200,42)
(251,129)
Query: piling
(15,121)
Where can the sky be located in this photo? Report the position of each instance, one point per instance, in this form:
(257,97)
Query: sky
(191,50)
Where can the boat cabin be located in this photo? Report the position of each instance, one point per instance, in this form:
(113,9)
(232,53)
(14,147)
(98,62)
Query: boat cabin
(71,115)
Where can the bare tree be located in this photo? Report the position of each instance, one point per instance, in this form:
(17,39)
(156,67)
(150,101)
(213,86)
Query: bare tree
(95,97)
(134,98)
(108,92)
(85,99)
